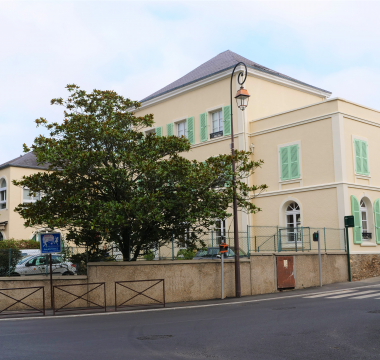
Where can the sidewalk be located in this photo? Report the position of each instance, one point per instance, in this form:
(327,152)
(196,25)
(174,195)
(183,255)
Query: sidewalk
(203,303)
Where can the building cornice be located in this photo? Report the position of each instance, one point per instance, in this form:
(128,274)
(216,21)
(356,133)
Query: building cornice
(316,118)
(318,187)
(312,105)
(25,167)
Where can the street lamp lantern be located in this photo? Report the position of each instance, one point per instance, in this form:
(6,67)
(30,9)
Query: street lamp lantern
(242,98)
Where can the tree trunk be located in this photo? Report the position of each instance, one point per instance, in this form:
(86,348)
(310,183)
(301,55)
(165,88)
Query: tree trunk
(137,252)
(126,241)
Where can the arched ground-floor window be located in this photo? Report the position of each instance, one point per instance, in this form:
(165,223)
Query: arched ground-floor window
(293,222)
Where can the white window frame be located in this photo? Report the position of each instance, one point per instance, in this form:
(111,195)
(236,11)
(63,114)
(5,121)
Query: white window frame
(298,180)
(293,213)
(150,131)
(178,121)
(211,113)
(363,209)
(222,230)
(361,176)
(5,189)
(33,200)
(177,124)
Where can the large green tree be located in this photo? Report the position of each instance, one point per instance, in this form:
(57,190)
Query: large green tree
(108,182)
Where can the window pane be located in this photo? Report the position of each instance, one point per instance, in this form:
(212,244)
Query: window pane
(26,195)
(217,121)
(290,221)
(181,128)
(3,183)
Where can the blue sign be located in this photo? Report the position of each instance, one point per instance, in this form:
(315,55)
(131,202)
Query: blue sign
(50,243)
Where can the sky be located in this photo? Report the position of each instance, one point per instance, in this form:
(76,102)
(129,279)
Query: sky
(138,47)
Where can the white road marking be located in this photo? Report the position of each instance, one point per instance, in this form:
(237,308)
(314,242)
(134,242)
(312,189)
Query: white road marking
(350,294)
(330,293)
(365,296)
(179,307)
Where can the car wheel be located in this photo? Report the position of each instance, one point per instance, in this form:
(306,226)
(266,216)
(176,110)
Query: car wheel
(68,273)
(15,274)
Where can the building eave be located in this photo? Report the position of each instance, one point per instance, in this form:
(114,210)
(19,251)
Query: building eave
(225,73)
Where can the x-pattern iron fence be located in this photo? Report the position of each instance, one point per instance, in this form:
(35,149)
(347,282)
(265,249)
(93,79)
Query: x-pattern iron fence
(79,297)
(139,293)
(30,309)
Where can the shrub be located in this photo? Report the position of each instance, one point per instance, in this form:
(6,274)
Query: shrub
(185,254)
(19,244)
(149,256)
(7,266)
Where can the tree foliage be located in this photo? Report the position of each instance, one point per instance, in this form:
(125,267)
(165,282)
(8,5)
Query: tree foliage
(108,182)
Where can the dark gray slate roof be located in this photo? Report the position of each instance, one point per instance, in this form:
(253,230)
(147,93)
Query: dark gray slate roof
(26,161)
(219,63)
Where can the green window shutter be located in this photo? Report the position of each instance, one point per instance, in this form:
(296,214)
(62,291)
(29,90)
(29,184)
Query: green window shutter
(284,163)
(358,157)
(355,208)
(227,120)
(203,126)
(364,153)
(376,208)
(190,130)
(159,131)
(169,129)
(294,162)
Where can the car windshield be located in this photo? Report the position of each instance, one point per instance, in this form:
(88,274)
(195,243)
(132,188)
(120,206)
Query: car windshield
(201,253)
(24,260)
(212,251)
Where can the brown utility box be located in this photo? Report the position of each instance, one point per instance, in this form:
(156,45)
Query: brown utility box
(285,274)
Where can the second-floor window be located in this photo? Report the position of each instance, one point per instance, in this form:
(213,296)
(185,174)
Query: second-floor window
(289,162)
(27,197)
(182,129)
(217,121)
(3,194)
(361,157)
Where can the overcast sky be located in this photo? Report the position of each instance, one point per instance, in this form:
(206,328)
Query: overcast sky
(138,47)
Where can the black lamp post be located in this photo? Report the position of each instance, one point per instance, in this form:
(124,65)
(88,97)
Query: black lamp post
(242,98)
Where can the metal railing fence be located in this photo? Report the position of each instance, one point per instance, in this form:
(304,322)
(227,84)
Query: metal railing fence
(280,239)
(205,245)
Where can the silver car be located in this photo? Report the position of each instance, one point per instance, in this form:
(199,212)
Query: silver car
(39,265)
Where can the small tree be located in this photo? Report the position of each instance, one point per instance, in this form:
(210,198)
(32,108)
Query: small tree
(136,191)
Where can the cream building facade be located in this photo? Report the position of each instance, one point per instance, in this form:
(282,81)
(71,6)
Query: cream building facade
(320,154)
(11,224)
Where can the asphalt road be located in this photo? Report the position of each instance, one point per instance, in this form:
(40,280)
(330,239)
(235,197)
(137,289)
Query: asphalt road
(291,325)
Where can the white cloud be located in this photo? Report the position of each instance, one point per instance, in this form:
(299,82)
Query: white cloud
(137,48)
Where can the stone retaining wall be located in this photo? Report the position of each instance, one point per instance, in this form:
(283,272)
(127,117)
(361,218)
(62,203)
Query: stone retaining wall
(187,280)
(364,266)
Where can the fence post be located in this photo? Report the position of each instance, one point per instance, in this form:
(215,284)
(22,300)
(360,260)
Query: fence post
(10,257)
(248,239)
(172,246)
(212,244)
(86,259)
(324,237)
